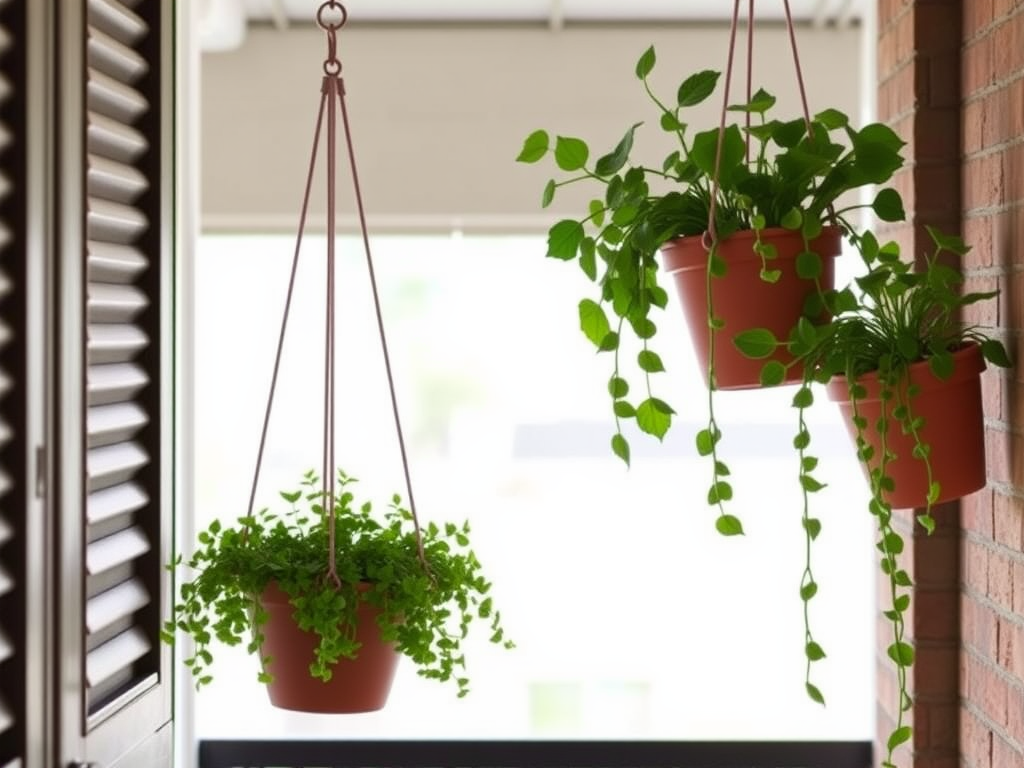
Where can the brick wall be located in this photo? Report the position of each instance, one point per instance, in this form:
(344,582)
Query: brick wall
(992,607)
(919,97)
(951,82)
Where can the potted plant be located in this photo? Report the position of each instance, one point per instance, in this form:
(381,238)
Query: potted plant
(389,590)
(746,221)
(905,372)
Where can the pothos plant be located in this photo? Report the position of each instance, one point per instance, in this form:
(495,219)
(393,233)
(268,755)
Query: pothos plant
(428,593)
(895,316)
(794,178)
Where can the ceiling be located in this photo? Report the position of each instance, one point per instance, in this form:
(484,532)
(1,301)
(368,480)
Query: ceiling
(223,22)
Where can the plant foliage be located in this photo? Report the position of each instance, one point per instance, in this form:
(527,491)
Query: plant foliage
(426,605)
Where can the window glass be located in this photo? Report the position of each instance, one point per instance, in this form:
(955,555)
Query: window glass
(633,618)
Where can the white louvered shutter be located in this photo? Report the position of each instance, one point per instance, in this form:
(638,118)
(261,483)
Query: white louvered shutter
(122,337)
(12,615)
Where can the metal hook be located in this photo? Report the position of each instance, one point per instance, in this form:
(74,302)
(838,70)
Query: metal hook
(331,26)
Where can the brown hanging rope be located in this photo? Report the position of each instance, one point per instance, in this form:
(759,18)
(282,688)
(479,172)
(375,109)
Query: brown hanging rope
(711,235)
(332,96)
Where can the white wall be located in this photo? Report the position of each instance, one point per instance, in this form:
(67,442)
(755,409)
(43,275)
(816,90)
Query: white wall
(439,112)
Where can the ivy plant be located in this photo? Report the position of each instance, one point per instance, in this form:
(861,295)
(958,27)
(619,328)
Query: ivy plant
(896,315)
(427,597)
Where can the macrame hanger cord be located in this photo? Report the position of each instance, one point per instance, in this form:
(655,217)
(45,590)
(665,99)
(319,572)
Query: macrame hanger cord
(711,235)
(750,70)
(332,89)
(800,84)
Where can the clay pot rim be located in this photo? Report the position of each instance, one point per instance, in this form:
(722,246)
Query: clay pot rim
(687,253)
(968,362)
(272,592)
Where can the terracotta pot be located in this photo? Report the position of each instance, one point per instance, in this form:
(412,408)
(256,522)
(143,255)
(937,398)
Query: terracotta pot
(356,685)
(742,299)
(953,427)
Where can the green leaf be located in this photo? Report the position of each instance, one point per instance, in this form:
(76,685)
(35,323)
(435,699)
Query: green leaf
(705,442)
(649,361)
(571,154)
(564,239)
(772,373)
(809,463)
(934,491)
(804,398)
(670,123)
(888,206)
(759,103)
(618,387)
(756,343)
(928,523)
(717,266)
(609,343)
(789,134)
(534,147)
(758,221)
(900,736)
(815,694)
(729,525)
(811,227)
(654,417)
(808,265)
(902,653)
(588,258)
(771,275)
(831,119)
(814,651)
(645,63)
(995,353)
(944,242)
(697,87)
(792,219)
(704,149)
(593,321)
(611,163)
(620,447)
(719,492)
(549,194)
(809,484)
(941,365)
(813,527)
(808,591)
(623,409)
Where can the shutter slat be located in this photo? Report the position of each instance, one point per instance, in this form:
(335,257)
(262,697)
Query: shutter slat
(113,464)
(110,138)
(115,382)
(116,20)
(110,303)
(108,659)
(6,648)
(114,222)
(115,343)
(6,717)
(6,532)
(114,502)
(115,605)
(114,181)
(111,57)
(114,99)
(114,550)
(6,582)
(113,263)
(117,423)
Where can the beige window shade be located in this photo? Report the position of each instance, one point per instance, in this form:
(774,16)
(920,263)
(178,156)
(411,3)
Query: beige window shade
(439,113)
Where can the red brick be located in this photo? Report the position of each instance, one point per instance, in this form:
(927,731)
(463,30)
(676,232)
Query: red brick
(980,628)
(975,741)
(976,513)
(977,67)
(936,670)
(1004,755)
(1007,518)
(936,615)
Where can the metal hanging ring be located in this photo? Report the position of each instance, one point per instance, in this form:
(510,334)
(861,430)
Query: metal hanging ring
(331,5)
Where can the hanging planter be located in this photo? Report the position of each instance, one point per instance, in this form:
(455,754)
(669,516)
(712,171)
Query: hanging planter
(327,593)
(950,420)
(743,299)
(359,684)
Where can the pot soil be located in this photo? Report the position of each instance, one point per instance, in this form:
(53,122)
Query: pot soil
(953,427)
(356,685)
(742,299)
